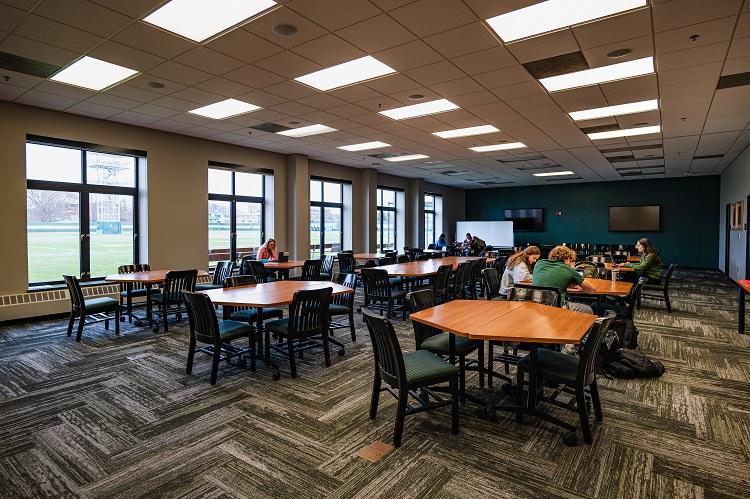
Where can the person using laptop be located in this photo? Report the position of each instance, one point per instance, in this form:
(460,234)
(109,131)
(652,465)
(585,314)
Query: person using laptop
(556,271)
(650,264)
(267,252)
(441,243)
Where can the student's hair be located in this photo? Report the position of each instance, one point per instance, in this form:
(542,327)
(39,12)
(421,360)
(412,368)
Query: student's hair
(270,239)
(648,249)
(468,234)
(522,256)
(441,236)
(561,253)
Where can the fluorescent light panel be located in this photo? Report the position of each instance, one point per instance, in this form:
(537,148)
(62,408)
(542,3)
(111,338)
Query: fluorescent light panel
(587,77)
(554,174)
(628,132)
(364,146)
(499,147)
(619,110)
(93,74)
(225,109)
(306,131)
(364,68)
(467,132)
(422,109)
(555,14)
(199,20)
(408,157)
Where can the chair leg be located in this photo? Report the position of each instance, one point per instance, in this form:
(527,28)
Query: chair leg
(252,353)
(191,355)
(403,397)
(462,375)
(666,301)
(106,325)
(117,320)
(215,364)
(489,364)
(596,401)
(130,307)
(81,322)
(164,311)
(326,349)
(480,366)
(351,324)
(70,323)
(375,395)
(520,377)
(454,406)
(292,364)
(583,414)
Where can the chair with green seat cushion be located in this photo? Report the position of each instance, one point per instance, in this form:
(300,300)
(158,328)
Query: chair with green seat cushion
(460,283)
(326,267)
(491,280)
(343,304)
(250,266)
(660,292)
(405,373)
(89,311)
(169,300)
(247,314)
(306,326)
(128,291)
(221,272)
(311,270)
(379,294)
(439,342)
(574,373)
(204,327)
(440,283)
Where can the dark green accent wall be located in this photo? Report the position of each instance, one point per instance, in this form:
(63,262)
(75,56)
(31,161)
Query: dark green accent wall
(689,214)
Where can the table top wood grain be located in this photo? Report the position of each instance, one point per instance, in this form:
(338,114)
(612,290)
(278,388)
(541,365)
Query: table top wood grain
(150,277)
(290,264)
(424,268)
(605,287)
(269,294)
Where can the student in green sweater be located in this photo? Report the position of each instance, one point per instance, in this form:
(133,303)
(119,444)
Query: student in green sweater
(557,271)
(650,264)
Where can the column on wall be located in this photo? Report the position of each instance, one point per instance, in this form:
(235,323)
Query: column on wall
(298,206)
(415,213)
(368,202)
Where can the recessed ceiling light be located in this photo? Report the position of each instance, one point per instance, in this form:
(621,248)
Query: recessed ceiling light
(284,29)
(555,14)
(499,147)
(407,157)
(416,97)
(615,54)
(619,71)
(628,132)
(199,20)
(155,84)
(225,109)
(619,110)
(93,74)
(554,174)
(466,132)
(364,146)
(364,68)
(307,130)
(423,109)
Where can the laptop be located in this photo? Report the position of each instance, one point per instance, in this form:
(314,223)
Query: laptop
(283,256)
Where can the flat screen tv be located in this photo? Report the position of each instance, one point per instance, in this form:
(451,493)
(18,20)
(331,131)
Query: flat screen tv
(634,218)
(528,219)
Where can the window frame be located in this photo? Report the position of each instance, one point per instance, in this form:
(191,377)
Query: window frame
(380,213)
(322,205)
(84,190)
(433,212)
(235,198)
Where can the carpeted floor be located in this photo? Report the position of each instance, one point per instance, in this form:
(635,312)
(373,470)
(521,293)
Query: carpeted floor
(118,417)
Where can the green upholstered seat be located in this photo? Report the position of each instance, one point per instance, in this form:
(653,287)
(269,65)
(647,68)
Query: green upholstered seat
(139,292)
(423,368)
(396,282)
(206,286)
(251,314)
(94,305)
(334,309)
(278,326)
(230,330)
(553,366)
(440,344)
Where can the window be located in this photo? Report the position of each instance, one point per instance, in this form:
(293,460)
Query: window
(235,214)
(326,217)
(430,210)
(81,210)
(386,220)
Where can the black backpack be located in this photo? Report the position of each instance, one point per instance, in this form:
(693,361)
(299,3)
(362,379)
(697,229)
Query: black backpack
(632,364)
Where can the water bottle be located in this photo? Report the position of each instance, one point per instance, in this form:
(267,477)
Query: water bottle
(614,275)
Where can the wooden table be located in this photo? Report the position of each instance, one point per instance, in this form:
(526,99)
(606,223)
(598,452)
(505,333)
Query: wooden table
(424,268)
(500,320)
(368,256)
(609,267)
(604,287)
(148,279)
(744,288)
(634,259)
(269,294)
(444,250)
(289,264)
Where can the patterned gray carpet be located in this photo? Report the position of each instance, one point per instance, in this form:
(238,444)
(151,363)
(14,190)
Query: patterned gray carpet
(118,417)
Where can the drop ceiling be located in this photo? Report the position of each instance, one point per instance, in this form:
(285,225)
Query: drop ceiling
(439,49)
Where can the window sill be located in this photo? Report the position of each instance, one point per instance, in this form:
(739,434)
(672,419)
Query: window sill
(58,286)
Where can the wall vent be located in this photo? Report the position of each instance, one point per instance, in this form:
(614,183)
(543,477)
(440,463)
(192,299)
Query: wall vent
(27,66)
(55,295)
(735,80)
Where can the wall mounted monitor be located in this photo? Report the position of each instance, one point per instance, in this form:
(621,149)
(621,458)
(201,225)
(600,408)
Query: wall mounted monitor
(527,219)
(634,218)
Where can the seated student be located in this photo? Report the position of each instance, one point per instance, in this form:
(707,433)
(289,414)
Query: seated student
(557,272)
(466,247)
(441,243)
(478,244)
(650,264)
(518,268)
(267,252)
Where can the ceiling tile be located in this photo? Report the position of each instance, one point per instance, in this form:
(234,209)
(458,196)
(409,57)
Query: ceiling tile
(460,86)
(504,77)
(639,48)
(84,15)
(57,34)
(354,93)
(692,57)
(544,46)
(306,30)
(32,49)
(408,56)
(678,13)
(329,50)
(245,46)
(94,110)
(288,64)
(392,83)
(134,8)
(209,61)
(435,73)
(129,91)
(740,48)
(120,103)
(621,27)
(463,40)
(155,41)
(427,17)
(178,72)
(485,60)
(334,14)
(710,32)
(254,77)
(291,90)
(43,99)
(322,101)
(117,53)
(144,80)
(222,86)
(10,17)
(261,98)
(377,33)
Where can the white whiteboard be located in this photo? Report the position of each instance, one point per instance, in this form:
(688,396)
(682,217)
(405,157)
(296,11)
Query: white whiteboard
(493,233)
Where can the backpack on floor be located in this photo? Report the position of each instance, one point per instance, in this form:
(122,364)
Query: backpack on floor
(630,364)
(626,332)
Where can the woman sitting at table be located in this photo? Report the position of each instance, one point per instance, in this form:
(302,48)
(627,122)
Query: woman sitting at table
(441,243)
(267,252)
(518,268)
(650,264)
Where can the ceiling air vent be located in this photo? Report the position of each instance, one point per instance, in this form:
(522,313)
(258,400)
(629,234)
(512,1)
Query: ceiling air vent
(27,66)
(621,159)
(735,80)
(270,127)
(632,148)
(600,128)
(712,156)
(383,155)
(492,182)
(558,65)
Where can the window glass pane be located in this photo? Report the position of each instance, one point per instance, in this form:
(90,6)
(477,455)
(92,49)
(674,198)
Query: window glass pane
(389,198)
(218,231)
(429,203)
(389,231)
(58,164)
(52,234)
(248,228)
(378,223)
(248,184)
(332,226)
(379,199)
(315,190)
(110,169)
(111,232)
(219,181)
(332,192)
(315,232)
(429,229)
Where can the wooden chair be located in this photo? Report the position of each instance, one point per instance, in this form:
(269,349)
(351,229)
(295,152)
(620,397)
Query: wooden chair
(169,300)
(311,270)
(326,267)
(405,373)
(91,310)
(660,292)
(440,283)
(379,293)
(491,280)
(221,272)
(343,304)
(128,291)
(248,314)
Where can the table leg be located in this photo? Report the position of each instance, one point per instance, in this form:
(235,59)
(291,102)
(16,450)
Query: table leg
(264,350)
(532,378)
(741,312)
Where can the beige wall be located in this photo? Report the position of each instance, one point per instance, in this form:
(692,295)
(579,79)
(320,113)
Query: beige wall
(176,184)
